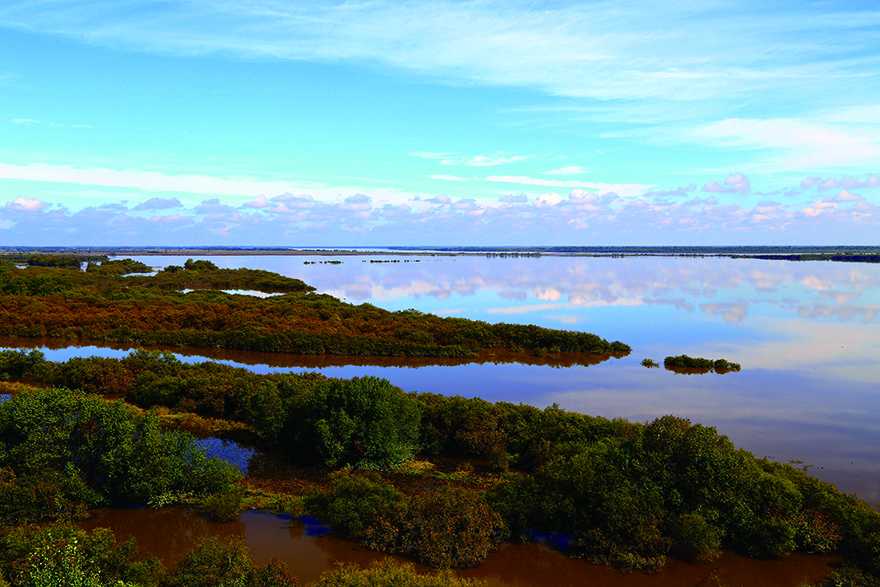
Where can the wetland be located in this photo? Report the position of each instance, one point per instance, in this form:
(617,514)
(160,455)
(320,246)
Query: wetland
(805,334)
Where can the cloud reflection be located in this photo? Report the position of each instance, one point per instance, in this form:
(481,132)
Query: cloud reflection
(727,289)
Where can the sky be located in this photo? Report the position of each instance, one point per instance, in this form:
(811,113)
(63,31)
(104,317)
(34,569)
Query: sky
(370,123)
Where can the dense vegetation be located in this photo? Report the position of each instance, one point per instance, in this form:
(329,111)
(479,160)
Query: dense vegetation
(105,306)
(62,452)
(619,492)
(686,362)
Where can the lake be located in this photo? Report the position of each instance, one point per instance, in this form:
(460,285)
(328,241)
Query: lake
(805,333)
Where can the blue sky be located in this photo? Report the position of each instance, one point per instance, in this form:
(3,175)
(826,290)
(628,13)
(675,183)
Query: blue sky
(277,123)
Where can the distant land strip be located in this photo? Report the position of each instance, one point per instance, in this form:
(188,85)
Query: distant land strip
(844,253)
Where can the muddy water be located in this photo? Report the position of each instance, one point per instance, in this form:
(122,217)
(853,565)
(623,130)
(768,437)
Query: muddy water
(170,532)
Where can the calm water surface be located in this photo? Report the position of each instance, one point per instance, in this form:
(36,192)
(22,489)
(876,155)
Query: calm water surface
(806,334)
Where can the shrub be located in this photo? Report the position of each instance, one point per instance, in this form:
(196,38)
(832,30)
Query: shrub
(693,538)
(215,562)
(451,527)
(389,573)
(65,555)
(364,421)
(225,506)
(88,449)
(360,505)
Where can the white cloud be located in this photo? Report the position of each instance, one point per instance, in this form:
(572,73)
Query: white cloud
(799,143)
(632,50)
(844,196)
(145,180)
(625,189)
(568,170)
(23,204)
(159,204)
(475,161)
(448,177)
(736,183)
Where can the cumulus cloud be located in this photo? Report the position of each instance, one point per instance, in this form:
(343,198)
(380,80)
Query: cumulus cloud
(514,199)
(258,202)
(159,204)
(844,196)
(736,183)
(466,204)
(356,203)
(548,199)
(212,206)
(292,202)
(678,192)
(847,182)
(441,199)
(23,204)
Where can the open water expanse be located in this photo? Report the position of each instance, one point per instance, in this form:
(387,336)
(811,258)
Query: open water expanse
(807,335)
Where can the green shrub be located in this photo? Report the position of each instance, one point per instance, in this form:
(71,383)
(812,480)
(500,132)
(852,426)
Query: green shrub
(364,421)
(360,505)
(217,562)
(88,449)
(693,538)
(225,506)
(64,555)
(389,573)
(450,527)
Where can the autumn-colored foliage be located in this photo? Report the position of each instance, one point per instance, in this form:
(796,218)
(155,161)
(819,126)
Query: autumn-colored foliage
(39,302)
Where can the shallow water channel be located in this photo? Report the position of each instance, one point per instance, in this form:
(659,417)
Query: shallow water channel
(805,333)
(169,532)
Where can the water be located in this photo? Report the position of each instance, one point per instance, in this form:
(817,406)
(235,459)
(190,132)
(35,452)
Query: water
(170,532)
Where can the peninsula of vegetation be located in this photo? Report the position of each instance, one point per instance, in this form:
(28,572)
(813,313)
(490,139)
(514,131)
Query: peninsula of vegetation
(186,306)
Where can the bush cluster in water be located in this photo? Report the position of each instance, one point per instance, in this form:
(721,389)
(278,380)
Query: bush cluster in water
(686,362)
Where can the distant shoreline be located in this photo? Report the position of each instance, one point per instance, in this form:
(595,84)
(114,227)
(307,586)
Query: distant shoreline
(861,253)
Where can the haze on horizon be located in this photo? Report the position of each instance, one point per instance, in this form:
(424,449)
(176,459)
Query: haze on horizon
(279,123)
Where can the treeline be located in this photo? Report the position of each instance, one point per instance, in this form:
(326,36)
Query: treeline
(118,267)
(63,261)
(39,302)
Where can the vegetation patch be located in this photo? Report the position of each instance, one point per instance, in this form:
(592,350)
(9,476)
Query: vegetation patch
(686,362)
(103,305)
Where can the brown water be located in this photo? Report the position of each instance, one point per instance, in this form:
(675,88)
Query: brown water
(170,532)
